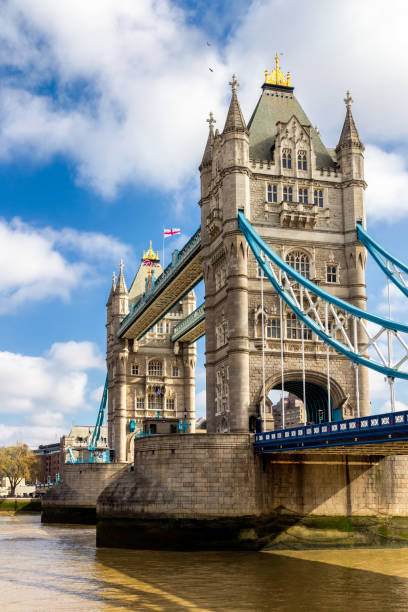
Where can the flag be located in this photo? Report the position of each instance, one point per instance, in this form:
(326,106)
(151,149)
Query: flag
(168,233)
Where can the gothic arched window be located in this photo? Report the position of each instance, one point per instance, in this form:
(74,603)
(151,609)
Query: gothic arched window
(302,161)
(286,158)
(300,261)
(287,194)
(303,196)
(155,401)
(155,368)
(294,328)
(272,193)
(318,198)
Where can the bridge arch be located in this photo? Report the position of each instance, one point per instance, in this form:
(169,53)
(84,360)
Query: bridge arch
(316,392)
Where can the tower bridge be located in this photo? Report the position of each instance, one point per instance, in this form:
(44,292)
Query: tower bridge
(282,251)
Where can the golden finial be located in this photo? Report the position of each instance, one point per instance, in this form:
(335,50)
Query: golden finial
(150,254)
(276,77)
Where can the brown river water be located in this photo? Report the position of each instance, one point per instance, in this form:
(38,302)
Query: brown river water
(46,567)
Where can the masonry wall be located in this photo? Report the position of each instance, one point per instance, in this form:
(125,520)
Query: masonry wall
(74,499)
(213,492)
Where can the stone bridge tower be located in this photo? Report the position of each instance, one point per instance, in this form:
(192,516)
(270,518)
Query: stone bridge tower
(304,200)
(150,377)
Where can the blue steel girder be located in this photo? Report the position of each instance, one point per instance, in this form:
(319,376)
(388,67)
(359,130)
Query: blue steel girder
(390,265)
(304,297)
(191,328)
(382,431)
(180,277)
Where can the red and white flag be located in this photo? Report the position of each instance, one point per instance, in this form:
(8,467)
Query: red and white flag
(167,233)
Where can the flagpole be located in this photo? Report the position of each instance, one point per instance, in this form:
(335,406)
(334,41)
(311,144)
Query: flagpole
(163,251)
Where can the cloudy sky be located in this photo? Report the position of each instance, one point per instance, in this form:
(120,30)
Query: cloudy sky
(102,126)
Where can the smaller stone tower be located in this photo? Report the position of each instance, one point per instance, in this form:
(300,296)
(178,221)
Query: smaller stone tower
(152,376)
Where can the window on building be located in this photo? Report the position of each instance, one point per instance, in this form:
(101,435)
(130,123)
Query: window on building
(272,328)
(168,328)
(170,404)
(140,403)
(175,371)
(299,261)
(160,328)
(155,368)
(302,161)
(303,196)
(272,193)
(155,402)
(286,159)
(287,194)
(134,369)
(331,274)
(318,198)
(294,328)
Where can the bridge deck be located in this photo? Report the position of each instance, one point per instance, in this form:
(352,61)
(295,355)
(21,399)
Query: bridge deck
(385,434)
(191,328)
(178,278)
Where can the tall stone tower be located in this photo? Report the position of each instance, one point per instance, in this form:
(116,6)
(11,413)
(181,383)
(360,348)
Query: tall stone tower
(150,377)
(304,200)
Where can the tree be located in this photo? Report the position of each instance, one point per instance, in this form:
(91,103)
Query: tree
(16,463)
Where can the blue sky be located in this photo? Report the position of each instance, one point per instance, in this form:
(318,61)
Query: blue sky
(102,127)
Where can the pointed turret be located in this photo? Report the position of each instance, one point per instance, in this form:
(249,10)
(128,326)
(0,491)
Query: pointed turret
(112,291)
(235,119)
(121,288)
(207,157)
(349,135)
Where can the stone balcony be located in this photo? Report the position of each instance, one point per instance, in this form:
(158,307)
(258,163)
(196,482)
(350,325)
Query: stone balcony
(298,215)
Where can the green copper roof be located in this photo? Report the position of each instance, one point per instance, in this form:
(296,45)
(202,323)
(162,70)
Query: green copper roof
(274,106)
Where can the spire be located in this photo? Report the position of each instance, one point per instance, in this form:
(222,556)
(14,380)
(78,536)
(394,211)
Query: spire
(121,286)
(349,134)
(112,291)
(235,120)
(207,157)
(276,77)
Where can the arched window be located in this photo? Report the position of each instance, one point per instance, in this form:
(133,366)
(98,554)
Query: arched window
(294,328)
(155,368)
(303,196)
(302,161)
(155,402)
(299,261)
(272,193)
(287,194)
(286,158)
(318,198)
(273,328)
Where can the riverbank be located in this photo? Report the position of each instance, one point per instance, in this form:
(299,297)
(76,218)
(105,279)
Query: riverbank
(16,505)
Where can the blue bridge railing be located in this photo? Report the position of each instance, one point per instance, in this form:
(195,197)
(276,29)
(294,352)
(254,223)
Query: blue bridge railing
(392,426)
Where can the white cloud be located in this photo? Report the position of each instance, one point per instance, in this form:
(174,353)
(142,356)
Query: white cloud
(29,434)
(42,263)
(387,178)
(55,383)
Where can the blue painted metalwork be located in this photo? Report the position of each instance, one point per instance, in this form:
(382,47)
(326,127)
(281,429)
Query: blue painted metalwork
(257,245)
(392,426)
(377,252)
(99,422)
(72,458)
(179,260)
(187,324)
(132,426)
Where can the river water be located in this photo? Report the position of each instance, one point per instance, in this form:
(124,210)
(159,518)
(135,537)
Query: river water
(46,567)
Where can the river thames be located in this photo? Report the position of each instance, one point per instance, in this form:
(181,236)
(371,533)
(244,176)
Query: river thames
(46,567)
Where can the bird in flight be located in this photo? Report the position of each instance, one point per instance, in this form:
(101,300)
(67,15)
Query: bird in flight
(208,44)
(211,70)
